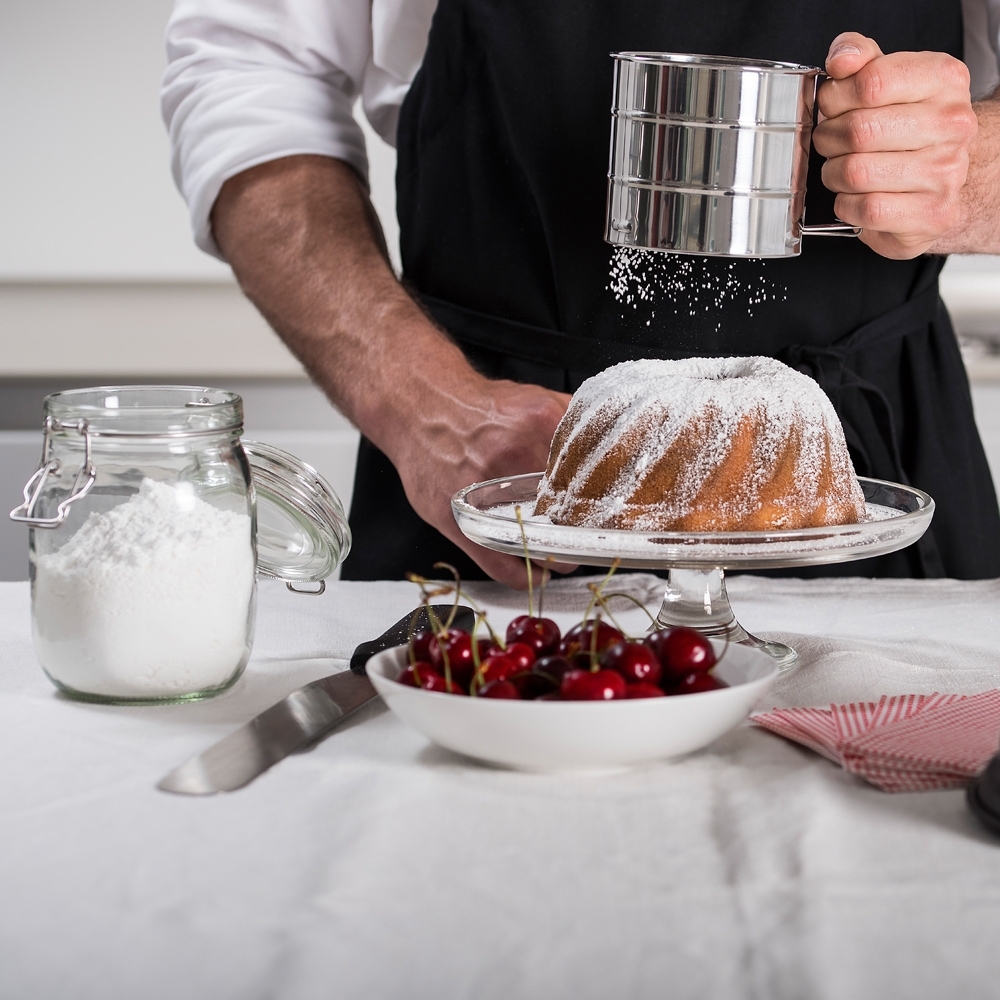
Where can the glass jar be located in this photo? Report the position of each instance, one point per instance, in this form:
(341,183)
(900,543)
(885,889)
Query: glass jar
(150,522)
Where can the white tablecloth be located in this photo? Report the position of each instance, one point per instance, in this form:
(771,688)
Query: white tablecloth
(379,867)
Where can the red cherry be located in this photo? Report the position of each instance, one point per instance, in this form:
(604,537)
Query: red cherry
(415,673)
(643,689)
(544,677)
(580,639)
(521,653)
(681,651)
(458,647)
(499,689)
(553,666)
(634,661)
(541,634)
(485,647)
(532,685)
(596,685)
(435,682)
(698,681)
(420,643)
(499,667)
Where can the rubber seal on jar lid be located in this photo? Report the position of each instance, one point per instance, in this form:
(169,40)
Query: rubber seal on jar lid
(302,532)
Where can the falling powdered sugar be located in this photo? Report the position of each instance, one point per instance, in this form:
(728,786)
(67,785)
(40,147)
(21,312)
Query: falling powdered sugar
(150,599)
(684,285)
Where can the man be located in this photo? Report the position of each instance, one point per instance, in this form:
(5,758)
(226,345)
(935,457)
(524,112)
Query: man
(502,142)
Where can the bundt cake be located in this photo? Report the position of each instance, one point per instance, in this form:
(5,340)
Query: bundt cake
(703,444)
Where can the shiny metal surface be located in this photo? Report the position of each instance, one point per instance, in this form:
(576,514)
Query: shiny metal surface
(709,155)
(698,88)
(657,151)
(301,719)
(82,483)
(691,221)
(290,725)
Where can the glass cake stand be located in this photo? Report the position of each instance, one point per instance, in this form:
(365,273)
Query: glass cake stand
(696,586)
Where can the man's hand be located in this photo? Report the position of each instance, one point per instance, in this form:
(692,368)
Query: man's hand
(896,132)
(465,430)
(307,249)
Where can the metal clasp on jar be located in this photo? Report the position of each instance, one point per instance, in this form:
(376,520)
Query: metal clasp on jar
(82,481)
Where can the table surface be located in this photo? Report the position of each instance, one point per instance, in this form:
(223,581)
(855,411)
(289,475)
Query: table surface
(379,866)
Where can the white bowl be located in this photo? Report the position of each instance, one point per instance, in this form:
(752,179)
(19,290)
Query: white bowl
(578,735)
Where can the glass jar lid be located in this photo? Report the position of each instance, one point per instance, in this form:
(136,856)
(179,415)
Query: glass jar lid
(302,532)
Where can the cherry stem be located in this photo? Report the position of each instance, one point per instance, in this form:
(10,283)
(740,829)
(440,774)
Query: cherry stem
(458,590)
(635,601)
(477,682)
(597,590)
(411,631)
(603,602)
(423,583)
(440,629)
(480,617)
(527,561)
(459,594)
(546,576)
(439,634)
(593,642)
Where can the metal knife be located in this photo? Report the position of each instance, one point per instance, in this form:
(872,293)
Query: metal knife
(298,721)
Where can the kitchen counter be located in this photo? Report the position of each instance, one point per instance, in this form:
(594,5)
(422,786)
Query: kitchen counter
(377,866)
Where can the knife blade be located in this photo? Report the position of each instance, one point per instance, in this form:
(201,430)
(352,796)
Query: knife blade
(298,721)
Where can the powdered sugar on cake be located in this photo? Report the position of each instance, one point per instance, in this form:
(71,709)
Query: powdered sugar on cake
(741,443)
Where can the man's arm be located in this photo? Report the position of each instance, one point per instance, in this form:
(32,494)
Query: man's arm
(914,162)
(978,226)
(308,251)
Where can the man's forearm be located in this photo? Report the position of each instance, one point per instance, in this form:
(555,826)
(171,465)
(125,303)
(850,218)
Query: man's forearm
(307,249)
(979,230)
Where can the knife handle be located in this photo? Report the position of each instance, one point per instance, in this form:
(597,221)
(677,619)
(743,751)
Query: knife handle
(400,632)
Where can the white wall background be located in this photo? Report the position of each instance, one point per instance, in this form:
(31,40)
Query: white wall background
(85,186)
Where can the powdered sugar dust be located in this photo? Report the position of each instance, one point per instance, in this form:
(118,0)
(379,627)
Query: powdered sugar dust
(680,284)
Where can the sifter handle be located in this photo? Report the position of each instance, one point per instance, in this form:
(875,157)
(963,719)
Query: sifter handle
(831,229)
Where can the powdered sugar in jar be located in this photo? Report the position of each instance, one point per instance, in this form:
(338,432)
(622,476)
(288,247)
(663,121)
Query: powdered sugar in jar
(144,545)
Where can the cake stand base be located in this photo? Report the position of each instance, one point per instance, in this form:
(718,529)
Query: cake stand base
(697,598)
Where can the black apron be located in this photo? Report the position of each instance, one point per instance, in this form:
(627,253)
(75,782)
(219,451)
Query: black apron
(501,188)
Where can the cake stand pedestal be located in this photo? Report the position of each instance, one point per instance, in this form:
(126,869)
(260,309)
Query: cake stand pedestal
(697,598)
(695,593)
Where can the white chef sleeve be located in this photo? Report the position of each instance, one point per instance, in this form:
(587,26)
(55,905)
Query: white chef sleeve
(249,81)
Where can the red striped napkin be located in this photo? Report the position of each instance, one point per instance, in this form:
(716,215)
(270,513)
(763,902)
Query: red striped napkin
(906,743)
